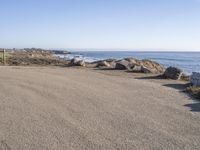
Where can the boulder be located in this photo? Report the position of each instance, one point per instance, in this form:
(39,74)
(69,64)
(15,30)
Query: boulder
(195,79)
(110,60)
(173,73)
(148,70)
(135,68)
(123,65)
(103,64)
(143,66)
(78,62)
(131,60)
(185,77)
(152,66)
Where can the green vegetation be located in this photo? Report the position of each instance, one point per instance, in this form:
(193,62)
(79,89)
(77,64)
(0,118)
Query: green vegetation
(194,91)
(6,57)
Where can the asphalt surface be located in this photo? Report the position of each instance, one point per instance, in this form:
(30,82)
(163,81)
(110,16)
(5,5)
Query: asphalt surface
(77,109)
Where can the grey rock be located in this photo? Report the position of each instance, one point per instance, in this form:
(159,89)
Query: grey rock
(173,73)
(103,64)
(135,68)
(195,79)
(78,62)
(148,70)
(131,60)
(123,65)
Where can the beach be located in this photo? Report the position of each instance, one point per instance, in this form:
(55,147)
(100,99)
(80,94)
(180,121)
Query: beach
(80,108)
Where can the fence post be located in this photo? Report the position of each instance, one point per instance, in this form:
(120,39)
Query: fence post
(4,56)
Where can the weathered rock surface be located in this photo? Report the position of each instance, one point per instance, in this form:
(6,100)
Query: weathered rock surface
(123,65)
(135,68)
(103,64)
(173,73)
(152,66)
(109,63)
(42,57)
(144,66)
(78,62)
(185,77)
(195,79)
(131,60)
(148,70)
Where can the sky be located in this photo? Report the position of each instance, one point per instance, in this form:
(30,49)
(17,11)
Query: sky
(101,24)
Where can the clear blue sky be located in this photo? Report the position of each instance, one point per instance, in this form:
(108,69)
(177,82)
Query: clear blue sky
(102,24)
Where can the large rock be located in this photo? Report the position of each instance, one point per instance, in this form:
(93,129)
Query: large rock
(135,68)
(195,79)
(143,66)
(78,62)
(173,73)
(132,65)
(148,70)
(112,62)
(152,66)
(131,60)
(123,65)
(103,64)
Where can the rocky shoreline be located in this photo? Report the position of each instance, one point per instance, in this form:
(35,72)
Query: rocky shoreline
(40,57)
(43,57)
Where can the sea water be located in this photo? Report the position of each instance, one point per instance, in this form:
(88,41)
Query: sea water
(188,61)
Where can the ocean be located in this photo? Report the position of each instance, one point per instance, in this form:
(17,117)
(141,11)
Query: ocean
(188,61)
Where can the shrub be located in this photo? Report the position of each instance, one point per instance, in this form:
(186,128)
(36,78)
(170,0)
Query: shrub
(194,91)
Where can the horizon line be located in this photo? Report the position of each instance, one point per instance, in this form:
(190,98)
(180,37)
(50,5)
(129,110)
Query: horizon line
(112,49)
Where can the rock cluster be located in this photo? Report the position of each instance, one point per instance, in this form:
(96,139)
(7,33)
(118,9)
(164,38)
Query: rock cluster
(132,65)
(108,63)
(123,65)
(103,64)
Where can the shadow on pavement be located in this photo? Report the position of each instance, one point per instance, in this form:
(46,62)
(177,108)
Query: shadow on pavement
(195,107)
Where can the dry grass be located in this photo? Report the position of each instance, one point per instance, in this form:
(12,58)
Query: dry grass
(33,58)
(7,56)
